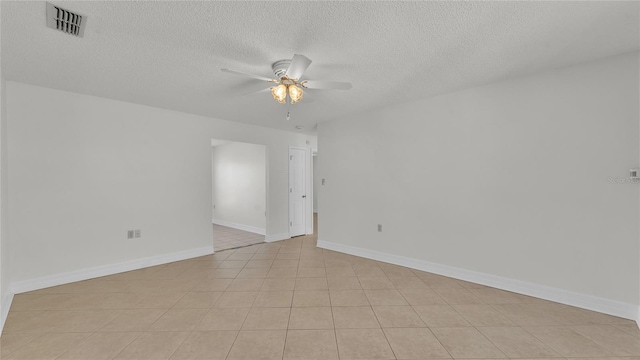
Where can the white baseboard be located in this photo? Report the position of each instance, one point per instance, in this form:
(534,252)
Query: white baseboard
(104,270)
(4,312)
(277,237)
(589,302)
(249,228)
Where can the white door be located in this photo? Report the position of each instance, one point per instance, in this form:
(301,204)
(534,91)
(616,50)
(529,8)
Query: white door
(297,191)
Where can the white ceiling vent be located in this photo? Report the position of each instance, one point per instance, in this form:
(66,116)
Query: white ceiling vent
(65,20)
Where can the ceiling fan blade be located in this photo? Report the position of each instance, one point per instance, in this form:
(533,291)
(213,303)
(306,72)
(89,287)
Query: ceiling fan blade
(263,91)
(326,85)
(249,75)
(298,65)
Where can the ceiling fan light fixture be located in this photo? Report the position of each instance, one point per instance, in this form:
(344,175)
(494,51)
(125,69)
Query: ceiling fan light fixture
(295,93)
(279,93)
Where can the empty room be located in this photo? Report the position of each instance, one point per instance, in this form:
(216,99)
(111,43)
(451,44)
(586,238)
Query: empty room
(319,180)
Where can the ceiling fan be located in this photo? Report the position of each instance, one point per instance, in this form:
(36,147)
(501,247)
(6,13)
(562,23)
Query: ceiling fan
(288,80)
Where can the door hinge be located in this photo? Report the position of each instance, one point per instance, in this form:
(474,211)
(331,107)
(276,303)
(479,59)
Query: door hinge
(290,223)
(290,157)
(290,190)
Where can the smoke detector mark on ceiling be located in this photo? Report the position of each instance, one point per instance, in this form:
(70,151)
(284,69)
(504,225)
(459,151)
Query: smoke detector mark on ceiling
(65,20)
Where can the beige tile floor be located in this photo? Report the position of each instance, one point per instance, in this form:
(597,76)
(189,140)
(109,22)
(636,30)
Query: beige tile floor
(225,238)
(290,300)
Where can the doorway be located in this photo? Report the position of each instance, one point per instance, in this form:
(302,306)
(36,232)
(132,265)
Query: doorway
(238,194)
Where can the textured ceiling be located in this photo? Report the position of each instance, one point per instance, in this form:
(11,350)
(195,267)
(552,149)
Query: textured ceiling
(169,54)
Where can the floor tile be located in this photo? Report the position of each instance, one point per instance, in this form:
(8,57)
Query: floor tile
(397,316)
(354,317)
(415,343)
(311,263)
(223,273)
(497,296)
(232,264)
(408,283)
(100,346)
(467,342)
(283,263)
(567,342)
(421,296)
(610,338)
(267,319)
(395,270)
(212,285)
(385,297)
(245,285)
(133,320)
(375,283)
(348,298)
(629,329)
(253,273)
(263,256)
(458,296)
(223,319)
(311,298)
(178,320)
(311,318)
(343,283)
(514,342)
(282,273)
(72,321)
(369,271)
(273,299)
(435,281)
(363,344)
(312,272)
(47,346)
(340,272)
(263,345)
(311,284)
(311,345)
(483,315)
(198,300)
(278,284)
(527,315)
(210,345)
(153,346)
(11,342)
(241,299)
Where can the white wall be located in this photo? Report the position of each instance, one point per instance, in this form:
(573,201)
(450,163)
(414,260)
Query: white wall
(5,296)
(84,169)
(517,179)
(239,186)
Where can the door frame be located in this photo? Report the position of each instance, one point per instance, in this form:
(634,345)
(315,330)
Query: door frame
(313,158)
(307,154)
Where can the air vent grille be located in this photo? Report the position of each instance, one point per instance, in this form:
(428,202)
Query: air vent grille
(65,20)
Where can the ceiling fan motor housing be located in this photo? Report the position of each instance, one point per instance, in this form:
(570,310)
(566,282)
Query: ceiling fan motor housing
(280,67)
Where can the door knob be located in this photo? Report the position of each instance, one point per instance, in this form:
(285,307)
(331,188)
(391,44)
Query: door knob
(304,196)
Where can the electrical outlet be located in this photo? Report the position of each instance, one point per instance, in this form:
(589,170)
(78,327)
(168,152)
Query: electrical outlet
(130,234)
(138,233)
(379,227)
